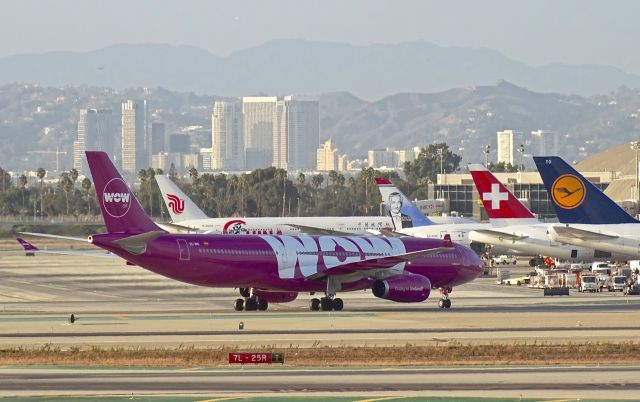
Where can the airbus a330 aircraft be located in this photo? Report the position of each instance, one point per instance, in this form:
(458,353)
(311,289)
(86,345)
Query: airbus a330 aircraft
(185,214)
(589,218)
(512,229)
(275,268)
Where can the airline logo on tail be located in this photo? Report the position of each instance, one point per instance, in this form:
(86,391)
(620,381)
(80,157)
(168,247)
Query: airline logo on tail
(568,191)
(175,203)
(495,196)
(116,198)
(234,227)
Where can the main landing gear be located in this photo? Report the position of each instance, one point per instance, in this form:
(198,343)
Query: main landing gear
(326,303)
(444,301)
(250,302)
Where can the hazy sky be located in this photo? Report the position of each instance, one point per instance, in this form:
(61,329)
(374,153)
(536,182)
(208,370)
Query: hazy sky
(536,32)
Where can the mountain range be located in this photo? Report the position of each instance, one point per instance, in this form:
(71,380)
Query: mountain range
(306,67)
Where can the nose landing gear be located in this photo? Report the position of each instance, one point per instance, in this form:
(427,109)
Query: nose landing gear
(445,301)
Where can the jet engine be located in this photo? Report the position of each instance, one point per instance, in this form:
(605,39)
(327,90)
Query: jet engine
(407,288)
(275,296)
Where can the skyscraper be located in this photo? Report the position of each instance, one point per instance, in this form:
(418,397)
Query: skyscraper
(544,143)
(87,133)
(505,146)
(296,133)
(327,157)
(226,136)
(158,138)
(259,113)
(134,152)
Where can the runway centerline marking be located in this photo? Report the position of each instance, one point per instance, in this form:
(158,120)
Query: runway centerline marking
(219,399)
(387,398)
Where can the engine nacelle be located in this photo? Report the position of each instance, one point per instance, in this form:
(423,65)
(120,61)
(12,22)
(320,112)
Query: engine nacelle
(275,296)
(408,288)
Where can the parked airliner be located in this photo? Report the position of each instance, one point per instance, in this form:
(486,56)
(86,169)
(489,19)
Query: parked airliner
(275,268)
(588,217)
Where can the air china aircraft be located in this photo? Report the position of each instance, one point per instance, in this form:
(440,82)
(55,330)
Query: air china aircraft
(276,268)
(588,217)
(185,214)
(513,229)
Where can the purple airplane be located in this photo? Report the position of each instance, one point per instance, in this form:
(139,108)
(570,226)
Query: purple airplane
(276,268)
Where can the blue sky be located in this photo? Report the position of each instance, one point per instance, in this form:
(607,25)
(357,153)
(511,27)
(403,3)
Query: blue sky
(535,32)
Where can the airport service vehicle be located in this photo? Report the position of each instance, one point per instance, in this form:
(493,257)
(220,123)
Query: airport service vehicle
(275,268)
(514,226)
(589,283)
(186,217)
(619,283)
(506,259)
(588,218)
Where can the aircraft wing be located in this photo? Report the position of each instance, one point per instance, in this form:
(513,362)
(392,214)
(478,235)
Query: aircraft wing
(177,228)
(498,235)
(370,266)
(570,232)
(386,232)
(314,231)
(30,248)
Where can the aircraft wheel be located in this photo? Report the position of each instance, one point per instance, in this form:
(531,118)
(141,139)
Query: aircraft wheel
(314,304)
(441,303)
(447,303)
(326,304)
(251,304)
(245,292)
(239,305)
(338,304)
(263,304)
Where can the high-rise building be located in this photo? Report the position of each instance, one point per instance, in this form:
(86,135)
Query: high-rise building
(134,153)
(259,114)
(158,138)
(327,157)
(505,146)
(226,136)
(179,143)
(87,132)
(544,143)
(296,133)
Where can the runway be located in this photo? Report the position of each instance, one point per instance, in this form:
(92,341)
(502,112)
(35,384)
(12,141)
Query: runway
(530,382)
(124,306)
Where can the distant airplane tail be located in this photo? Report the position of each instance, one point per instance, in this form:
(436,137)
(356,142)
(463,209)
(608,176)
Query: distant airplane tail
(26,245)
(121,210)
(401,210)
(498,201)
(576,199)
(181,208)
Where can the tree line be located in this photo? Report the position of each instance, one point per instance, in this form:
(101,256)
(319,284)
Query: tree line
(262,192)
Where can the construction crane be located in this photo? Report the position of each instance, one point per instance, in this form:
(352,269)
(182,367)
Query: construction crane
(57,153)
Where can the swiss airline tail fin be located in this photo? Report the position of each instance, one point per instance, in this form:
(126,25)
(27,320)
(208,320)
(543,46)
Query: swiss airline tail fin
(498,201)
(576,199)
(181,208)
(121,210)
(401,210)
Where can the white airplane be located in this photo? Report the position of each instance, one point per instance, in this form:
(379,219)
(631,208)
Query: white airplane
(588,217)
(185,215)
(513,228)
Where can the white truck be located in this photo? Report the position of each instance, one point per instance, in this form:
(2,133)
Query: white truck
(619,283)
(588,283)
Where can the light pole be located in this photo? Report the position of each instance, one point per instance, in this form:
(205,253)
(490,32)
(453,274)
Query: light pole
(486,149)
(521,152)
(635,145)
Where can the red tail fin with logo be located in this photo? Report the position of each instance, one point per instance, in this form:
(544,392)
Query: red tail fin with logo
(120,209)
(499,202)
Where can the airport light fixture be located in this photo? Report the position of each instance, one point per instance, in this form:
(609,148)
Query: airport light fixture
(635,145)
(485,150)
(521,154)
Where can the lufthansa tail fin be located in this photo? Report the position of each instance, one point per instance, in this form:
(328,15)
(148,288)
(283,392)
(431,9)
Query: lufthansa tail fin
(181,208)
(498,201)
(121,210)
(576,199)
(401,210)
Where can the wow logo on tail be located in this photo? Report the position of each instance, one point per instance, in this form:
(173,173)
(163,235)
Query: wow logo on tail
(175,203)
(116,198)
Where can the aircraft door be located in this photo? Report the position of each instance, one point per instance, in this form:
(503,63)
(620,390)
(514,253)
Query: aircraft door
(184,250)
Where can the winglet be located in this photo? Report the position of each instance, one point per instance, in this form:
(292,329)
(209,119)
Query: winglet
(446,241)
(26,245)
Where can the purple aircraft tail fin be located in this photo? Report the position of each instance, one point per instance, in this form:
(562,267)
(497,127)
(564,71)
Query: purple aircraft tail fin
(120,209)
(26,245)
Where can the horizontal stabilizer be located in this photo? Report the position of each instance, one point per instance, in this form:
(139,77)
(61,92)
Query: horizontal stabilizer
(498,235)
(137,244)
(567,232)
(52,236)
